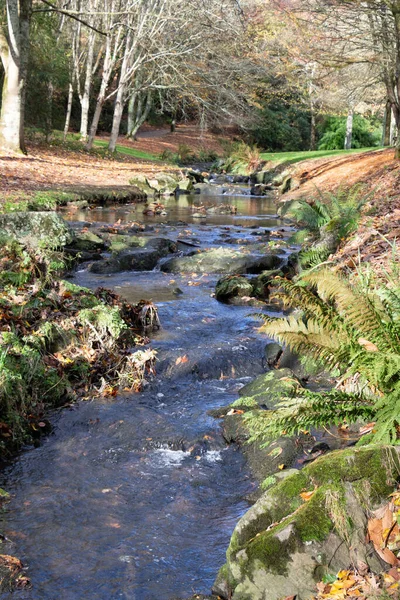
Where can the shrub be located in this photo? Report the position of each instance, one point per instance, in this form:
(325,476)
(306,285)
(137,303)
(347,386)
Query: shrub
(364,135)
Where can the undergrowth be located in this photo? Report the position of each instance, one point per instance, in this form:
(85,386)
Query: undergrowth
(325,222)
(351,330)
(59,341)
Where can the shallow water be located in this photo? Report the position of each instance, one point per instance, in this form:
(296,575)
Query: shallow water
(137,497)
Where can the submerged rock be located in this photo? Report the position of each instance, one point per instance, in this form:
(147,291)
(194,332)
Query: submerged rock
(136,259)
(222,260)
(311,524)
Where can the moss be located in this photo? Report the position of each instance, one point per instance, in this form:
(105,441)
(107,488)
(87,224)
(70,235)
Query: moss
(268,482)
(270,551)
(104,320)
(312,521)
(286,494)
(373,463)
(247,402)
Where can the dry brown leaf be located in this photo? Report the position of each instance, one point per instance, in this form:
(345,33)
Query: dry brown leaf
(367,428)
(369,346)
(181,359)
(375,531)
(307,495)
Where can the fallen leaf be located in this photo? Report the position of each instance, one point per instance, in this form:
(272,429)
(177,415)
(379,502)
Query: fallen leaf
(307,495)
(181,359)
(369,346)
(367,428)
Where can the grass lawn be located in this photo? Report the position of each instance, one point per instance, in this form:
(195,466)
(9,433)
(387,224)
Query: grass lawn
(294,157)
(129,151)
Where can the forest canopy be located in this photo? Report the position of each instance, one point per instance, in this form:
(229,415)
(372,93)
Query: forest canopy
(280,71)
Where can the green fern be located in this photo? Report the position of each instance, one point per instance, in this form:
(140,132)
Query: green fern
(350,331)
(334,214)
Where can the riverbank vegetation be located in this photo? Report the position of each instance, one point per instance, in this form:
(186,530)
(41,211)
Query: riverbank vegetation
(59,341)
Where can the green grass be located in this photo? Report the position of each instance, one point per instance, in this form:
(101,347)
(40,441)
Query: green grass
(100,147)
(294,157)
(129,151)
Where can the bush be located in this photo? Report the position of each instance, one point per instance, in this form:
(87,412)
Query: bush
(365,133)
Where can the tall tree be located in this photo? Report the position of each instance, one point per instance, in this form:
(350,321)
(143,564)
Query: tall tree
(14,46)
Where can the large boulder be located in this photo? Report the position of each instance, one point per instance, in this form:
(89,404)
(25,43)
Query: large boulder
(33,228)
(311,524)
(222,260)
(161,184)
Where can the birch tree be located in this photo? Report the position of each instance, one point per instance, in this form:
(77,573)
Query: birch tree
(14,45)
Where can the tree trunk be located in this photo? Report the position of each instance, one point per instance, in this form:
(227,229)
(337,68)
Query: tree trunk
(49,111)
(85,98)
(313,129)
(95,122)
(120,98)
(118,110)
(69,109)
(386,124)
(108,65)
(131,114)
(138,117)
(393,126)
(349,130)
(14,56)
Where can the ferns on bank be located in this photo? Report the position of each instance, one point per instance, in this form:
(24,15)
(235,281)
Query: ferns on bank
(332,215)
(348,330)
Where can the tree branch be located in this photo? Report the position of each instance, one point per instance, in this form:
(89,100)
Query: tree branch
(68,14)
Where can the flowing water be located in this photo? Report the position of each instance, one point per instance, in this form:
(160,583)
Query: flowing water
(136,497)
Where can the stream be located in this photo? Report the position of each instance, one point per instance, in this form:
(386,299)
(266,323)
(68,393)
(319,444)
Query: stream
(136,497)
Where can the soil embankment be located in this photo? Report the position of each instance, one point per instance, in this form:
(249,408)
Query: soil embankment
(376,239)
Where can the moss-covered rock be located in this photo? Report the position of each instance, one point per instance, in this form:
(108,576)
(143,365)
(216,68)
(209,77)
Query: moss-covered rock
(264,459)
(232,286)
(261,283)
(269,388)
(46,229)
(287,541)
(88,242)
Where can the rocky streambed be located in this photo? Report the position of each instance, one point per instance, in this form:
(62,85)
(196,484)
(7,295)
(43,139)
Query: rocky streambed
(136,496)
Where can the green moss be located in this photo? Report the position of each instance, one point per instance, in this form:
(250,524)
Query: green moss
(286,494)
(312,521)
(104,320)
(246,402)
(267,483)
(270,551)
(374,463)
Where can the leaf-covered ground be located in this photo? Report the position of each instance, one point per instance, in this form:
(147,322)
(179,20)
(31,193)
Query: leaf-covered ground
(70,167)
